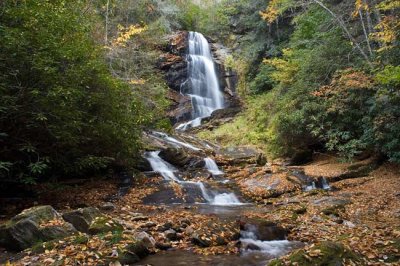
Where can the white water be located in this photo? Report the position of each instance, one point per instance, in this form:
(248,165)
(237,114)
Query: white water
(212,166)
(202,82)
(168,172)
(325,184)
(226,199)
(159,165)
(310,187)
(274,248)
(174,141)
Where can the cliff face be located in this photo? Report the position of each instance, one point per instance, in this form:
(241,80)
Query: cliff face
(175,67)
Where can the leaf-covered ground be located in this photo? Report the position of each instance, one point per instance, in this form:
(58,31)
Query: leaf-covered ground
(362,213)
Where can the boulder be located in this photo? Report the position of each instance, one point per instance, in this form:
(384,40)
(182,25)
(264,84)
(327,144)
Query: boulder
(264,230)
(107,207)
(240,155)
(171,235)
(175,156)
(146,239)
(37,224)
(82,218)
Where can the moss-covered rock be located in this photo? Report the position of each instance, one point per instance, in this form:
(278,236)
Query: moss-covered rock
(322,254)
(34,225)
(82,218)
(103,224)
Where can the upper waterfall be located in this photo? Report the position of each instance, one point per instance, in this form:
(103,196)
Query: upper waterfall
(202,84)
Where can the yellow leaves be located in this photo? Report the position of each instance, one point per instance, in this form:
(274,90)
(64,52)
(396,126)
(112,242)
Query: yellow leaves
(388,5)
(137,81)
(126,33)
(275,9)
(387,32)
(286,67)
(360,5)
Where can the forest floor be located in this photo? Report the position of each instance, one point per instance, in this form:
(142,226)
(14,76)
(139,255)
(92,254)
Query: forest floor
(362,213)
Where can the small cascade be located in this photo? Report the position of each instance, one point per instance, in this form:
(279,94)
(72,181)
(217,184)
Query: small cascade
(268,249)
(202,84)
(168,172)
(159,165)
(310,187)
(325,184)
(212,166)
(226,199)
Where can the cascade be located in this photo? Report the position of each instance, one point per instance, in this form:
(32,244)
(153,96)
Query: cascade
(168,171)
(212,166)
(202,84)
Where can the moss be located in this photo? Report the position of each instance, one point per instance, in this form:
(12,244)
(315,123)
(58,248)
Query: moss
(80,239)
(104,224)
(41,247)
(331,254)
(395,257)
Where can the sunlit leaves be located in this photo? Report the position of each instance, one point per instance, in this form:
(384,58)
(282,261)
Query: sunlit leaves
(126,33)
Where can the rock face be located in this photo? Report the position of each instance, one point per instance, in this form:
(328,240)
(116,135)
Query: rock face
(179,157)
(37,224)
(240,155)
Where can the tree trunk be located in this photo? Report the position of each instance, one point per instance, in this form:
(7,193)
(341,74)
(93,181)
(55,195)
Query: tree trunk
(344,28)
(106,33)
(365,32)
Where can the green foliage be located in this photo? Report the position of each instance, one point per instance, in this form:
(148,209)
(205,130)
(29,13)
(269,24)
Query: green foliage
(61,111)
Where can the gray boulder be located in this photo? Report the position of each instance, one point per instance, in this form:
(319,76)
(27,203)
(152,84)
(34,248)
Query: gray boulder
(82,218)
(37,224)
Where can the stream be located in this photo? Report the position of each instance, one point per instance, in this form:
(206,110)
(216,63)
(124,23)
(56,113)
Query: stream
(206,196)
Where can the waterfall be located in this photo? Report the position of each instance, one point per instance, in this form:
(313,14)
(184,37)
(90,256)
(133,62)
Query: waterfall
(202,84)
(212,166)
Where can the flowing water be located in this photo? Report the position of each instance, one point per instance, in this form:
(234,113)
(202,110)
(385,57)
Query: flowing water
(202,84)
(169,173)
(203,89)
(212,166)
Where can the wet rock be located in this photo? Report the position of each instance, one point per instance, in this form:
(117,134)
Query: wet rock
(143,165)
(200,241)
(264,230)
(107,207)
(163,245)
(139,218)
(104,224)
(37,224)
(133,253)
(249,246)
(175,156)
(171,235)
(150,224)
(146,239)
(82,218)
